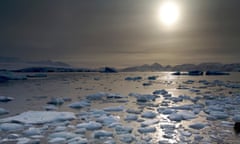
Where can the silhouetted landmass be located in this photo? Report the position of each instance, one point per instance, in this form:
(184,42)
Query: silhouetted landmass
(212,67)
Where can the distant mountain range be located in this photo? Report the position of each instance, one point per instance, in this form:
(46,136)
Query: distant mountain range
(12,63)
(16,64)
(185,67)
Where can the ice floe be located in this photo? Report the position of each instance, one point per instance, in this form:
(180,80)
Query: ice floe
(149,114)
(123,129)
(197,126)
(114,108)
(39,117)
(3,111)
(90,125)
(11,127)
(80,104)
(102,133)
(147,129)
(131,117)
(5,99)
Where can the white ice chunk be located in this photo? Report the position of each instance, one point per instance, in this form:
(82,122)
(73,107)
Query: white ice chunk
(90,125)
(80,104)
(149,122)
(65,135)
(147,129)
(197,126)
(39,117)
(149,114)
(219,114)
(102,133)
(3,111)
(123,129)
(186,115)
(32,131)
(127,138)
(108,120)
(11,127)
(131,117)
(78,140)
(57,140)
(96,96)
(56,101)
(5,99)
(114,109)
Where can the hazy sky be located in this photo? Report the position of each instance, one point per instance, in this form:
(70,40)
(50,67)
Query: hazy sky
(119,32)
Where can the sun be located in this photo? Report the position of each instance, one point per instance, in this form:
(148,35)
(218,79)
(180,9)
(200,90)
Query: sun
(169,13)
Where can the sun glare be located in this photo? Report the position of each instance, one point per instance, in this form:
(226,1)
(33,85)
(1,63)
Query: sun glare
(169,13)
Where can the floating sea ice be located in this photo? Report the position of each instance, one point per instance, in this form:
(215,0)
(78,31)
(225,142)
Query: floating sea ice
(185,133)
(198,137)
(90,125)
(176,99)
(13,136)
(32,131)
(56,101)
(109,142)
(149,122)
(97,113)
(123,129)
(182,115)
(11,127)
(5,99)
(127,138)
(236,118)
(57,140)
(152,77)
(77,140)
(133,78)
(60,128)
(197,126)
(108,120)
(96,96)
(114,96)
(143,97)
(168,135)
(134,111)
(3,111)
(114,109)
(149,114)
(147,129)
(50,107)
(186,115)
(160,92)
(24,140)
(219,115)
(131,117)
(175,117)
(165,111)
(102,133)
(40,117)
(80,104)
(81,131)
(65,135)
